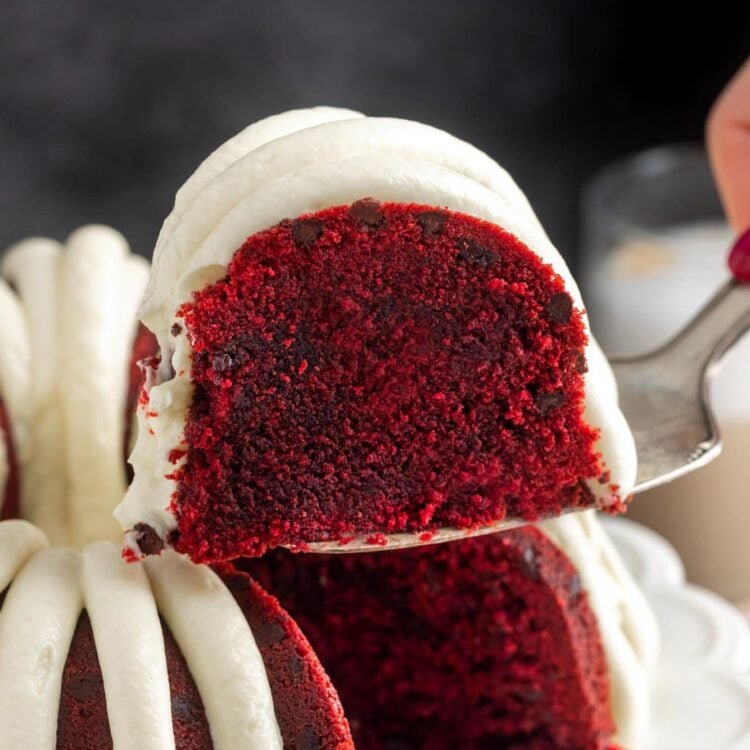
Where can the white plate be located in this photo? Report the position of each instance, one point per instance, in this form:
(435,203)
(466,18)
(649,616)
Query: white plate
(701,691)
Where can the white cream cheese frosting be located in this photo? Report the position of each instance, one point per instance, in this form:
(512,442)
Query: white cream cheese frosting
(38,619)
(627,626)
(290,165)
(48,590)
(68,329)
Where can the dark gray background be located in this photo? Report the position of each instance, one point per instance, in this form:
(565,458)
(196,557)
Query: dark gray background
(106,107)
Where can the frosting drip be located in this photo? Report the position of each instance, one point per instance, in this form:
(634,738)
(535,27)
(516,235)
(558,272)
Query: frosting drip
(226,664)
(39,616)
(14,384)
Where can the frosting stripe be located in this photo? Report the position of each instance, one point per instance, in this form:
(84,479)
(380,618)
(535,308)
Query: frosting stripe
(130,646)
(4,470)
(93,373)
(232,681)
(15,381)
(251,138)
(15,366)
(32,266)
(38,619)
(19,540)
(68,330)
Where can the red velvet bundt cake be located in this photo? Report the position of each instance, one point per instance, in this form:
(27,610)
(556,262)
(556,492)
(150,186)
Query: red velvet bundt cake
(363,331)
(96,653)
(493,641)
(118,675)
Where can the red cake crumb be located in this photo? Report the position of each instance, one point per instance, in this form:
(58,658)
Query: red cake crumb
(9,500)
(307,707)
(484,643)
(374,369)
(145,347)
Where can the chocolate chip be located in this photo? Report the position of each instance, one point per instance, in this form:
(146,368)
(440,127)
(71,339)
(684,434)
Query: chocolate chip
(239,585)
(296,666)
(531,695)
(575,586)
(581,365)
(306,232)
(176,329)
(547,402)
(559,308)
(307,739)
(84,687)
(529,565)
(270,634)
(432,222)
(148,540)
(367,211)
(222,362)
(472,252)
(182,708)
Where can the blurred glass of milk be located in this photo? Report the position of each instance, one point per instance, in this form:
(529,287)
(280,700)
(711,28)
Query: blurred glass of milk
(655,247)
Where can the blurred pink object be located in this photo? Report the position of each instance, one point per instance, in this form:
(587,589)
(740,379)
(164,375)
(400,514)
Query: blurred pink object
(739,257)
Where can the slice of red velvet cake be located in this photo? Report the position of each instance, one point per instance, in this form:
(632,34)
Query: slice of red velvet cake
(364,331)
(490,642)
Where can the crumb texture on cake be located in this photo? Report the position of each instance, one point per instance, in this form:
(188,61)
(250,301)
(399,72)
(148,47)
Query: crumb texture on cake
(379,367)
(483,643)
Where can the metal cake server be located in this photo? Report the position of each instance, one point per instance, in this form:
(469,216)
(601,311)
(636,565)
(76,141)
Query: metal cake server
(665,396)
